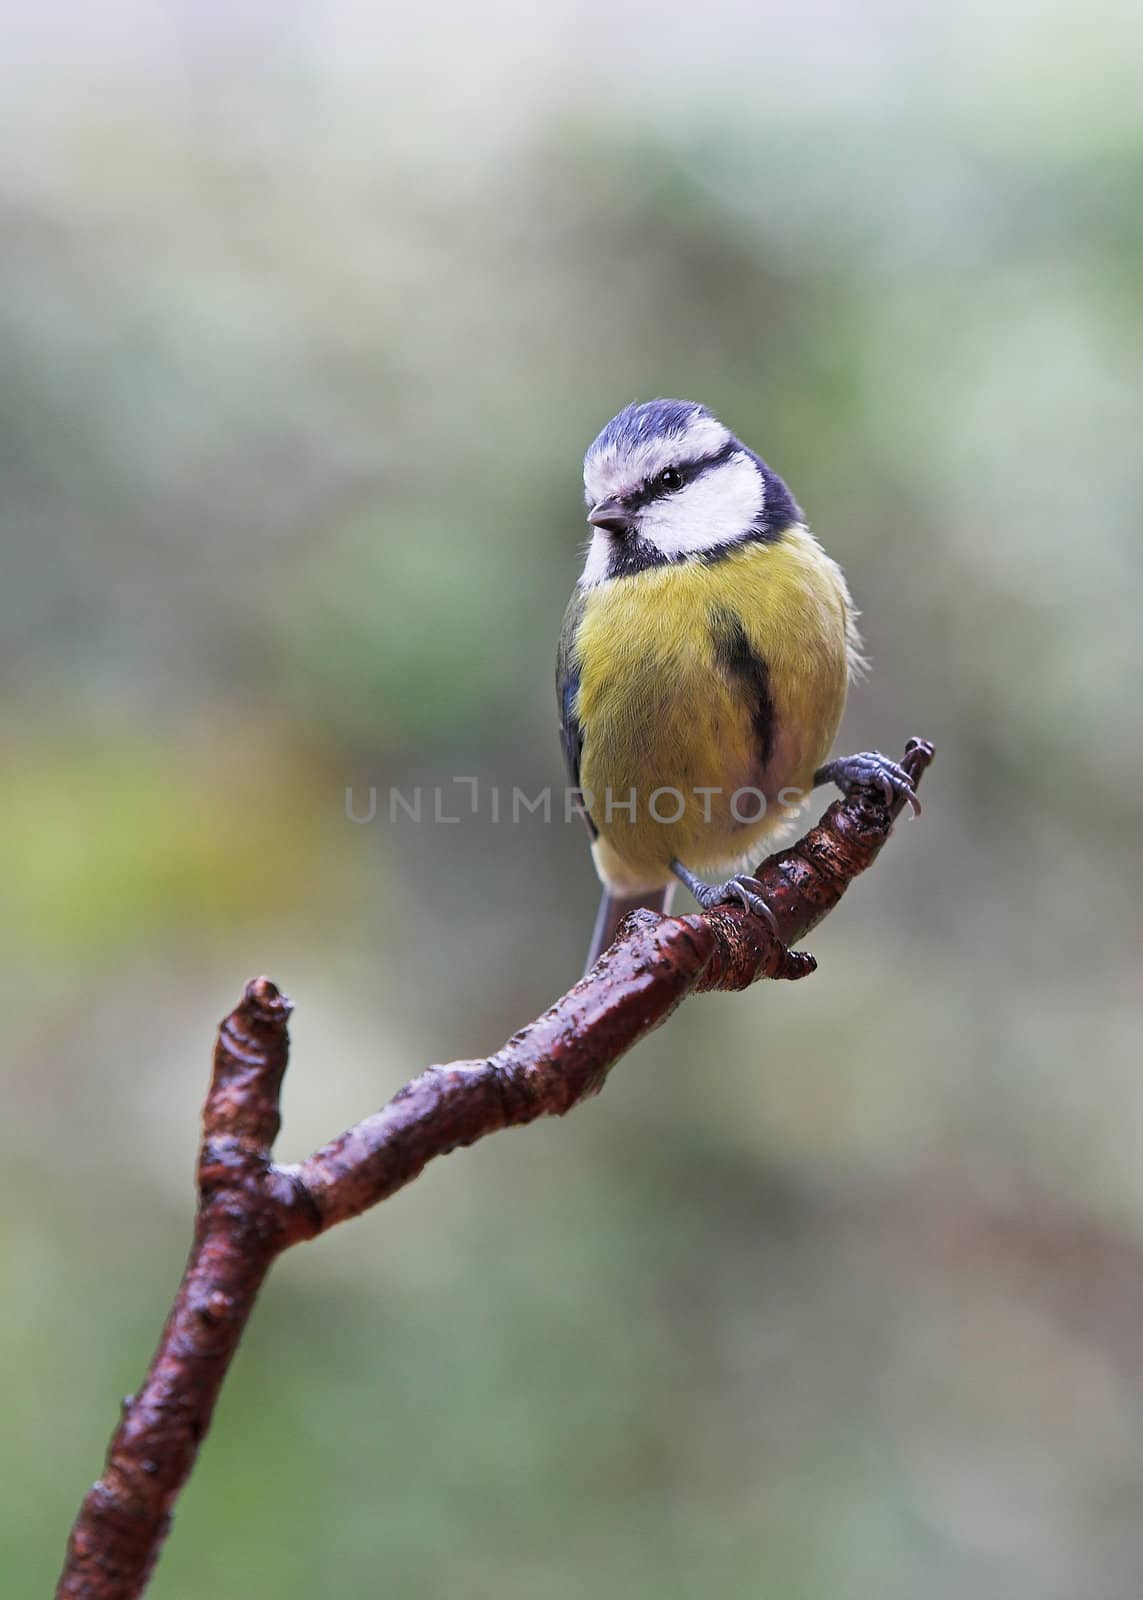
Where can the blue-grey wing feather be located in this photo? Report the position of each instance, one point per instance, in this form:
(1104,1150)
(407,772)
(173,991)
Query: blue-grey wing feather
(567,692)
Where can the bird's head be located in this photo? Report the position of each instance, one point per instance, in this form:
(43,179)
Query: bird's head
(665,482)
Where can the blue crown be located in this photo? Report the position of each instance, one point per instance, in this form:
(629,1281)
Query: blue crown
(652,419)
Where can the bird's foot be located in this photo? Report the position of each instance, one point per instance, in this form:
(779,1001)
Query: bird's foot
(741,889)
(870,770)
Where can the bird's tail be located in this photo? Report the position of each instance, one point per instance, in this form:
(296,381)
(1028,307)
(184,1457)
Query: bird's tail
(613,908)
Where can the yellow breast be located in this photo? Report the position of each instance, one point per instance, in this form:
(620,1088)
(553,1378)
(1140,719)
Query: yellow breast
(671,756)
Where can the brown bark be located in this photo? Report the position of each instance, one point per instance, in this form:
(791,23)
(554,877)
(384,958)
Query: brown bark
(250,1210)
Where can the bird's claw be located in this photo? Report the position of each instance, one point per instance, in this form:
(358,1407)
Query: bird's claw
(746,891)
(741,889)
(870,769)
(749,893)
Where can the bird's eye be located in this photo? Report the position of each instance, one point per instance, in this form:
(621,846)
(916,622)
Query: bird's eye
(670,478)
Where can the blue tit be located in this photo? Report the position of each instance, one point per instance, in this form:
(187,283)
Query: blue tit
(703,663)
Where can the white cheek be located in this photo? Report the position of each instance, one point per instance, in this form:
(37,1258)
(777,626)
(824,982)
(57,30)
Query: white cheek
(598,556)
(717,507)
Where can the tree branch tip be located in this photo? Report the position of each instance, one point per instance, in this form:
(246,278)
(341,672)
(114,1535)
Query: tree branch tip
(267,1002)
(919,754)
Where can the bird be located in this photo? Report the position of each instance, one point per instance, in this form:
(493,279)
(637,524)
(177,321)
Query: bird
(703,665)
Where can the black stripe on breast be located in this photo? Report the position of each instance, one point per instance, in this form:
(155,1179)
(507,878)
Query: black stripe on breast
(735,658)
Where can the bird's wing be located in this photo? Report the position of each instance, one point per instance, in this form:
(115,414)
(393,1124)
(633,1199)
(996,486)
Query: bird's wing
(567,690)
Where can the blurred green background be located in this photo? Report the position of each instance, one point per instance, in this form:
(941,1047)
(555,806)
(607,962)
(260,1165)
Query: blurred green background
(306,318)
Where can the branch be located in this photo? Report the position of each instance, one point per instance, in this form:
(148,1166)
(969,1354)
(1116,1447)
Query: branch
(250,1210)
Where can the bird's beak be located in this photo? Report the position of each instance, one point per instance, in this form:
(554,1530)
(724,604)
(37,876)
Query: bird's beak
(611,517)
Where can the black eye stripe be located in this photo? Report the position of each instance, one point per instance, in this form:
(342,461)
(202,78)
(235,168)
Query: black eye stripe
(689,472)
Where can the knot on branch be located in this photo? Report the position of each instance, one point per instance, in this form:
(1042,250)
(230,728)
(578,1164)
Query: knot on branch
(744,951)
